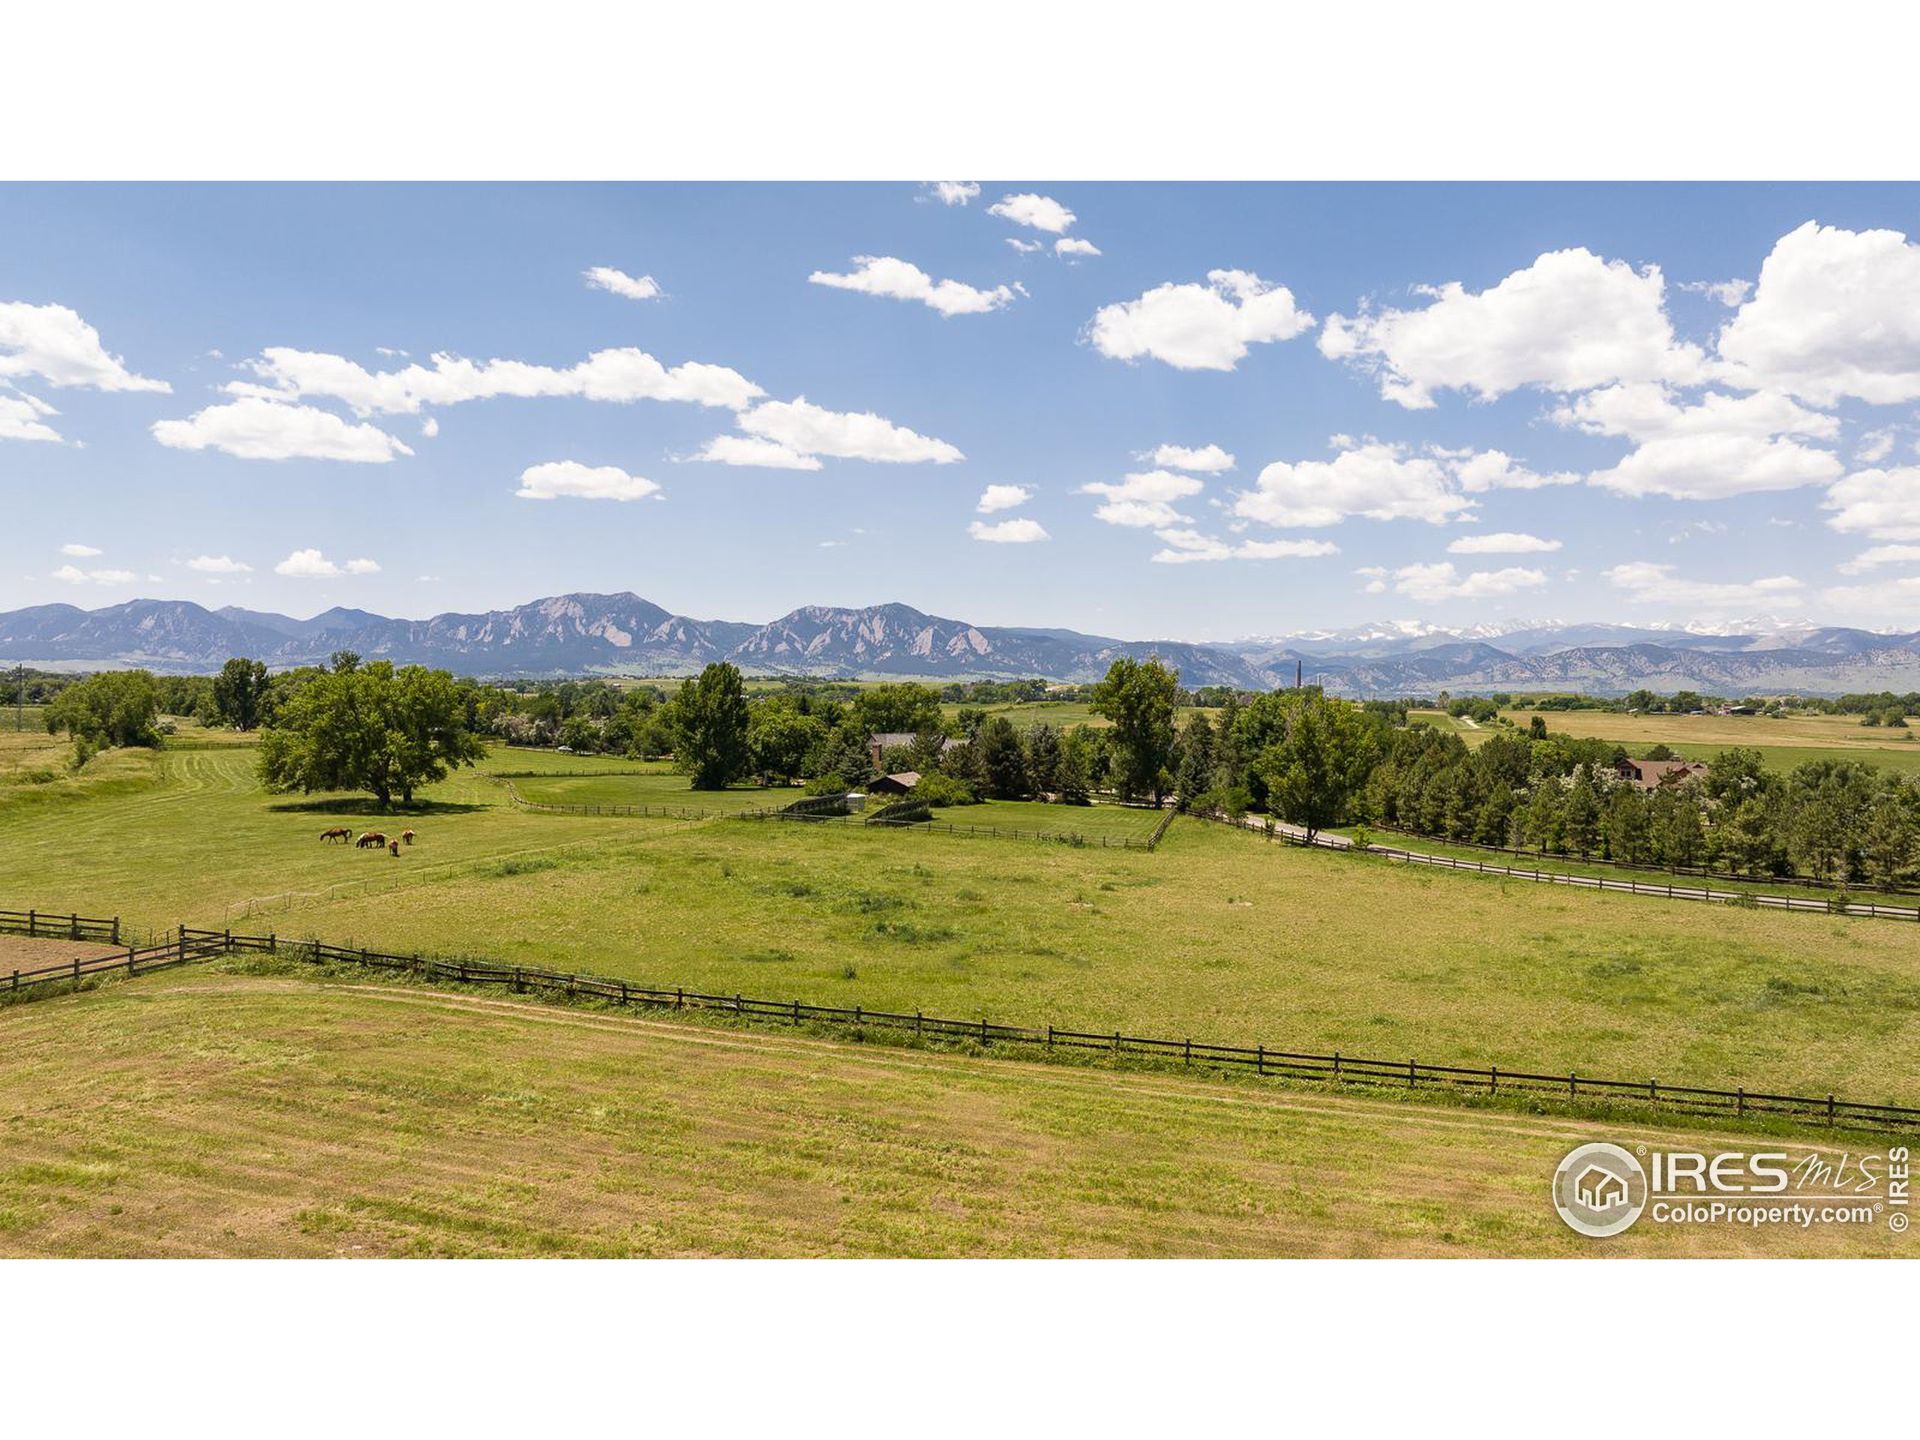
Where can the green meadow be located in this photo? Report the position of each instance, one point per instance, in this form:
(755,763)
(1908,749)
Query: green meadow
(1218,934)
(210,1112)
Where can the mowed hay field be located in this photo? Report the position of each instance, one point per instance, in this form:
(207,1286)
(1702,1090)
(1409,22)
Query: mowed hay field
(1782,743)
(210,1113)
(1218,935)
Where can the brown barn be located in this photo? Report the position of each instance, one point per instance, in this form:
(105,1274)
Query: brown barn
(898,784)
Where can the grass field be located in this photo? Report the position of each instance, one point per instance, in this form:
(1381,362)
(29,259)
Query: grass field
(656,785)
(1087,821)
(1783,743)
(207,1113)
(1218,934)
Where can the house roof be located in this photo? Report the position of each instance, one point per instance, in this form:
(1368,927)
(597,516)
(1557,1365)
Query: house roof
(908,778)
(1650,774)
(888,739)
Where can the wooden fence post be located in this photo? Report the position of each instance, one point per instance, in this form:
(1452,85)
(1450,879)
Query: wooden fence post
(1493,1080)
(1260,1060)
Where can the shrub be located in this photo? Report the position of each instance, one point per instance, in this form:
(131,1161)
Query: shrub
(827,785)
(939,789)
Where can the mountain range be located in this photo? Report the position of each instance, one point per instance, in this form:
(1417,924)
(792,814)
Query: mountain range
(585,634)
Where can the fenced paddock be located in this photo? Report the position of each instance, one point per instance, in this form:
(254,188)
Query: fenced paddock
(1866,909)
(45,925)
(1336,1068)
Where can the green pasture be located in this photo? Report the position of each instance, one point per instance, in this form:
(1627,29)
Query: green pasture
(1217,935)
(1036,817)
(223,1113)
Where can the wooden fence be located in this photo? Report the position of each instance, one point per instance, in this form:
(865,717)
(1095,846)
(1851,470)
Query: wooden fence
(953,827)
(1805,881)
(134,960)
(43,925)
(1804,904)
(1336,1068)
(667,812)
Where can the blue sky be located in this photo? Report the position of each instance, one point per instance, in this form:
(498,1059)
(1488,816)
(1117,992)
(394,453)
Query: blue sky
(1444,404)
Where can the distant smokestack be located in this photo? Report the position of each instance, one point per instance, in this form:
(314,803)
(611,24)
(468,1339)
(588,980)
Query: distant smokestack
(1299,670)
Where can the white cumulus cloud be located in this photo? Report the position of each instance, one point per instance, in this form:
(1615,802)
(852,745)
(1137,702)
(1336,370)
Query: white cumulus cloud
(747,450)
(954,192)
(310,564)
(218,565)
(1071,245)
(1199,327)
(80,552)
(1836,315)
(270,430)
(1877,555)
(569,479)
(1503,542)
(1884,504)
(1720,446)
(1570,321)
(1145,500)
(616,376)
(1483,470)
(1430,584)
(1375,480)
(1034,211)
(1186,546)
(1644,583)
(1003,497)
(1204,459)
(52,343)
(632,287)
(1021,531)
(807,429)
(74,575)
(893,279)
(23,417)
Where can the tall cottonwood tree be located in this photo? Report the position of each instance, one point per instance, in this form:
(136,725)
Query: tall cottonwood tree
(368,727)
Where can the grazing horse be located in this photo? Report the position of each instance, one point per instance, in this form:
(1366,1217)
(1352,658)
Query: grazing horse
(407,835)
(393,847)
(338,832)
(373,839)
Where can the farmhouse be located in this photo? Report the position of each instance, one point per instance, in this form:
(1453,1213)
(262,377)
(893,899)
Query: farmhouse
(1652,774)
(898,784)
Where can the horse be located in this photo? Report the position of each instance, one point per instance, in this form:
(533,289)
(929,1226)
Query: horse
(407,835)
(338,832)
(393,848)
(373,839)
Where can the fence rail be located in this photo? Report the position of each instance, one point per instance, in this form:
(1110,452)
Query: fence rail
(668,812)
(1807,905)
(953,827)
(190,945)
(1411,1074)
(44,925)
(1804,881)
(134,960)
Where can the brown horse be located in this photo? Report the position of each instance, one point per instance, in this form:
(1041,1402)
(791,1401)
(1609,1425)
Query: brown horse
(372,839)
(338,832)
(407,835)
(393,847)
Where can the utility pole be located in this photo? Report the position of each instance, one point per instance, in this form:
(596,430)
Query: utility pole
(1299,672)
(20,707)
